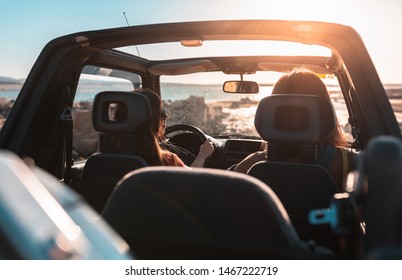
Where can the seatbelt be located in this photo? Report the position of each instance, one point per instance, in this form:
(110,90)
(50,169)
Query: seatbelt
(326,155)
(66,118)
(345,166)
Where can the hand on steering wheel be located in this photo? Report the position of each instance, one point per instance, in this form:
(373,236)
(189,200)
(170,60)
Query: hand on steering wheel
(188,151)
(186,127)
(206,149)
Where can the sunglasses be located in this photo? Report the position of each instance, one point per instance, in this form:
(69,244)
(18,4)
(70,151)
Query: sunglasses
(164,115)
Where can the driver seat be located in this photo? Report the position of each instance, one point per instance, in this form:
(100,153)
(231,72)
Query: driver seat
(117,116)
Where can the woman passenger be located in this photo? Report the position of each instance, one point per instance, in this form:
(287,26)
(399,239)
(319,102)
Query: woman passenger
(303,81)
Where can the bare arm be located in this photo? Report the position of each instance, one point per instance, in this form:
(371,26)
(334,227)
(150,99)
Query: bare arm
(249,161)
(206,150)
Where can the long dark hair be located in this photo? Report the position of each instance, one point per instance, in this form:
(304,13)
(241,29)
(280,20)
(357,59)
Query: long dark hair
(148,140)
(143,142)
(147,144)
(304,81)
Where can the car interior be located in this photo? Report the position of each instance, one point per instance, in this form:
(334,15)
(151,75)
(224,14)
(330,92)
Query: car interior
(65,121)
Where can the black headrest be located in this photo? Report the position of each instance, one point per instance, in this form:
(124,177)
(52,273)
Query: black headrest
(137,112)
(294,119)
(175,213)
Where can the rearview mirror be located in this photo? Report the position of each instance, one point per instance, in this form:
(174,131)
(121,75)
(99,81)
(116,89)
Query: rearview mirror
(240,87)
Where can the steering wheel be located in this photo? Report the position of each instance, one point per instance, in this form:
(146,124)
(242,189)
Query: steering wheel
(183,144)
(187,127)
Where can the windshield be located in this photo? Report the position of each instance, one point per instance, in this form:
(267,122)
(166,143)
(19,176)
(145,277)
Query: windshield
(198,99)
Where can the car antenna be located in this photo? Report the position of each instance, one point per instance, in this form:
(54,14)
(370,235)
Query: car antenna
(124,13)
(138,52)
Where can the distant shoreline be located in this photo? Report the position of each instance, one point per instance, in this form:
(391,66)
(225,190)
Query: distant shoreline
(390,88)
(10,91)
(8,86)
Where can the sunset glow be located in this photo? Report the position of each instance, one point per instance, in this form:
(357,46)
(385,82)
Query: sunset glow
(28,26)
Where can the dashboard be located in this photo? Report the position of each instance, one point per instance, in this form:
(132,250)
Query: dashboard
(233,151)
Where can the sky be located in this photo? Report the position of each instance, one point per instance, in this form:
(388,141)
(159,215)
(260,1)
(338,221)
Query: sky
(27,25)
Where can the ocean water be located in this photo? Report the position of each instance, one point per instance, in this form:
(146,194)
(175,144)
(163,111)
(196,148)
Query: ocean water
(213,93)
(169,92)
(172,92)
(9,94)
(210,93)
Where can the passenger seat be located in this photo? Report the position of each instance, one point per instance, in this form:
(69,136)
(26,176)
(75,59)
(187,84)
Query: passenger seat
(301,185)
